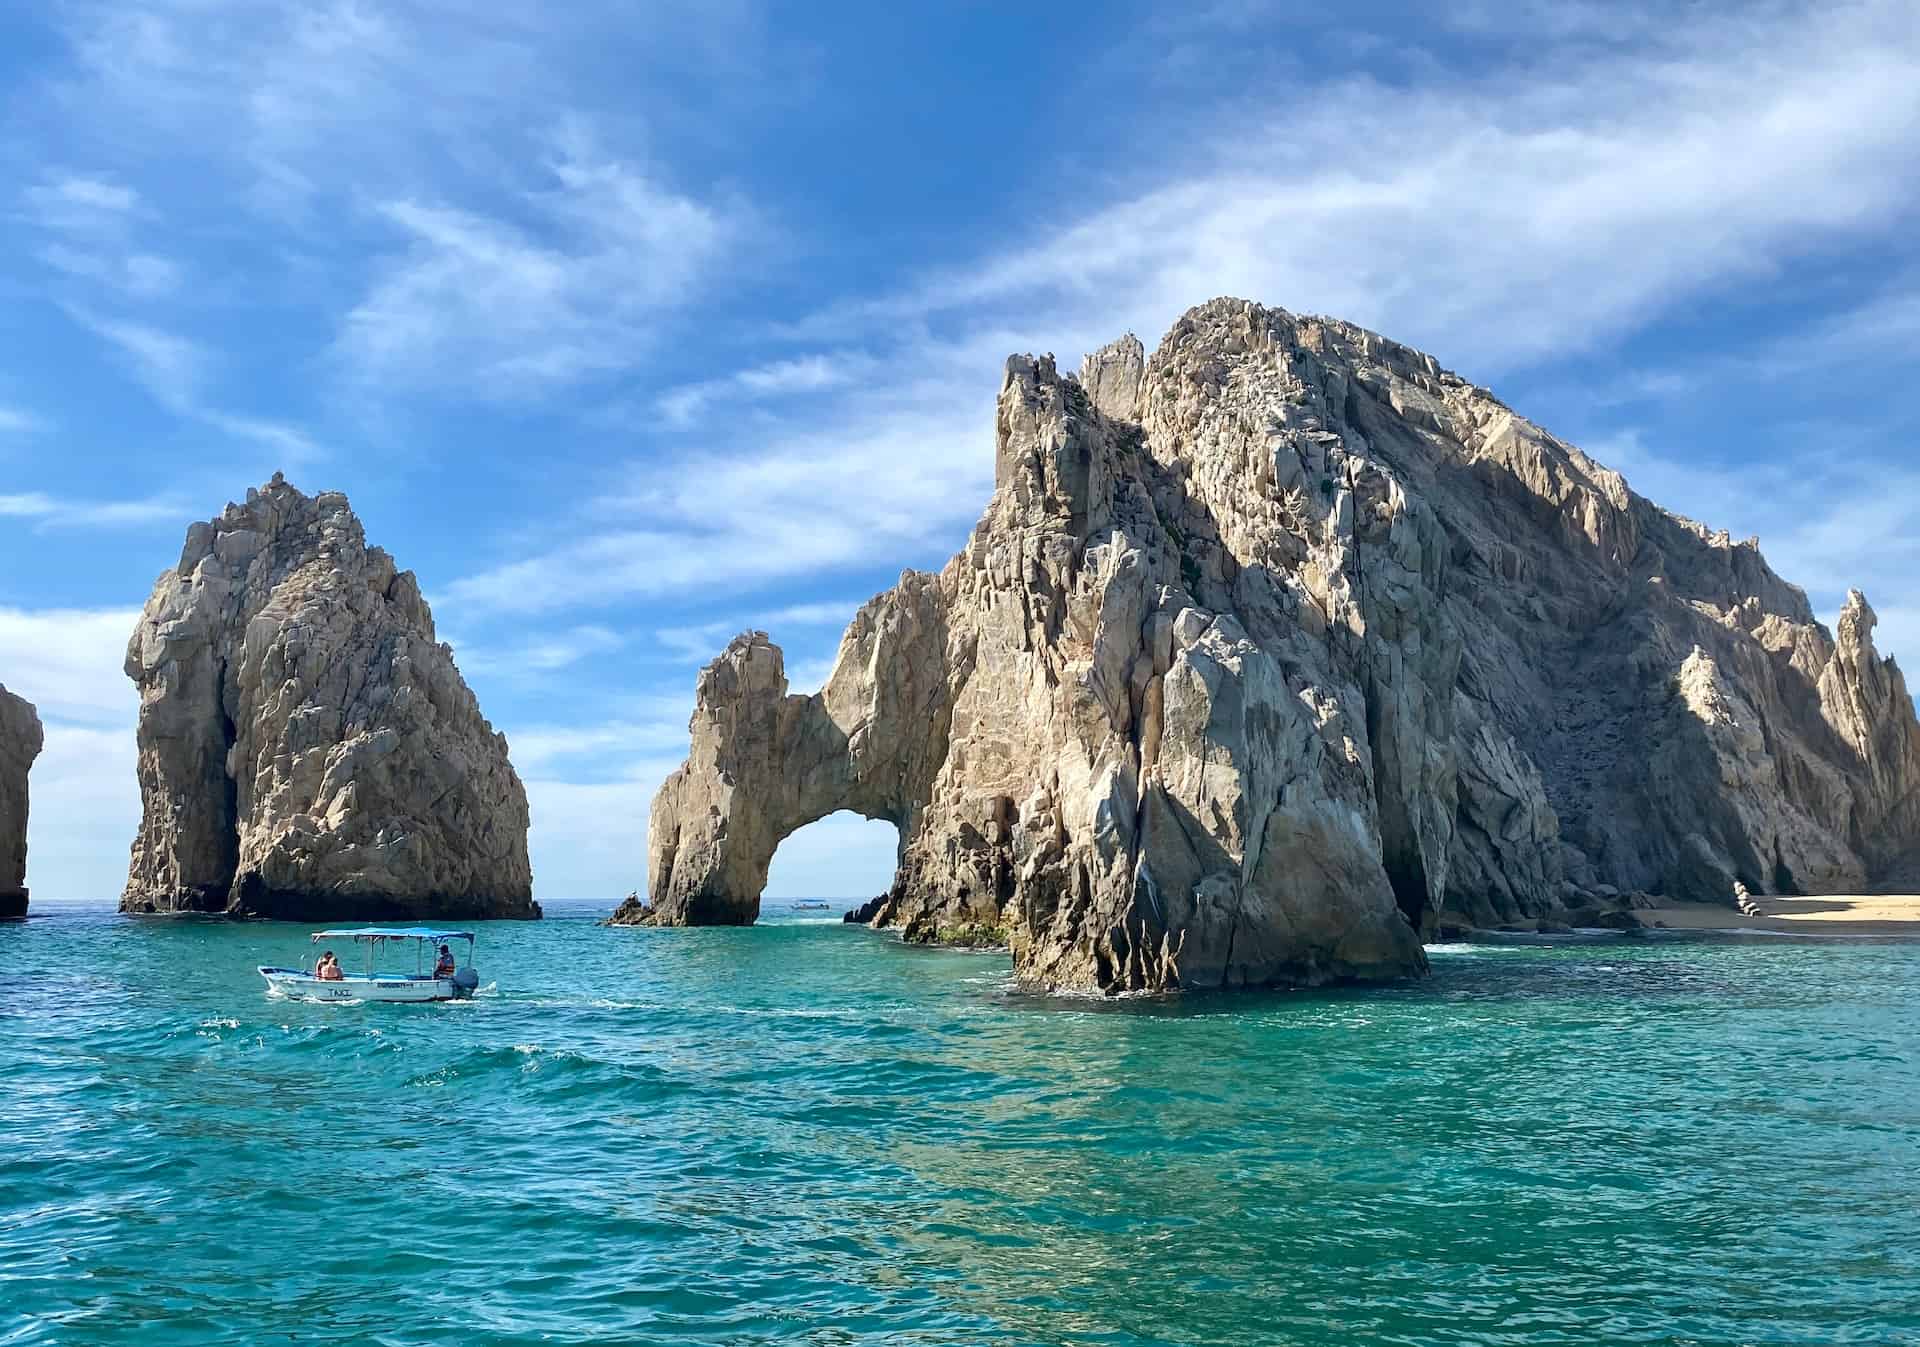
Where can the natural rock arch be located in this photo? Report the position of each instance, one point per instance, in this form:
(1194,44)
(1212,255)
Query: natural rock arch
(1266,649)
(764,763)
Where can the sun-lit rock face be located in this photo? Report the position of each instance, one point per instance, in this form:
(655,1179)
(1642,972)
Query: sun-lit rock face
(307,748)
(1273,644)
(20,743)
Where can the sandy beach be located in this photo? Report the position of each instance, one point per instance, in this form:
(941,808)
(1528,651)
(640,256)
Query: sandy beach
(1874,914)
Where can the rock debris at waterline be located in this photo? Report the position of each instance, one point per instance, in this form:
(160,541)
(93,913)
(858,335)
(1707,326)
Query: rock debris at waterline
(307,749)
(1270,646)
(20,742)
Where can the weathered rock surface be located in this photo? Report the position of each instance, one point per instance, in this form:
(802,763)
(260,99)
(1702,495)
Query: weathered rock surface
(1270,647)
(20,743)
(307,749)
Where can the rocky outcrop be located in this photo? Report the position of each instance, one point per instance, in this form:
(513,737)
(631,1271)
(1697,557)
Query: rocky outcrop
(864,913)
(20,743)
(1271,647)
(307,749)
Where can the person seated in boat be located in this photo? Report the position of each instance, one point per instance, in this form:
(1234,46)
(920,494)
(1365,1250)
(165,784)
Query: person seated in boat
(329,969)
(443,966)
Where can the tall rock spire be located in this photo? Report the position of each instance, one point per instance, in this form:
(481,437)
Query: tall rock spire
(307,749)
(20,743)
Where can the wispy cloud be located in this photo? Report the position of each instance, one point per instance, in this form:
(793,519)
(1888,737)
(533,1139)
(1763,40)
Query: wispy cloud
(1461,212)
(818,373)
(78,193)
(1879,332)
(15,421)
(903,479)
(290,443)
(140,275)
(86,793)
(50,512)
(496,253)
(92,224)
(538,652)
(170,367)
(175,371)
(645,737)
(1458,213)
(86,808)
(67,661)
(500,310)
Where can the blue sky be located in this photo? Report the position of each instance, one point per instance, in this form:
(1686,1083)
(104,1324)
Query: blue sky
(628,328)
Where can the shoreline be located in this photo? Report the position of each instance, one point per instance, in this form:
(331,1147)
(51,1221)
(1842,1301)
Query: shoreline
(1884,916)
(1839,914)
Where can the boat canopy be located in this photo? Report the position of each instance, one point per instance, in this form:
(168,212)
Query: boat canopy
(393,933)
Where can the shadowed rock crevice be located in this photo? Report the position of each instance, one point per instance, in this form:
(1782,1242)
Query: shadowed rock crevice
(1273,644)
(307,748)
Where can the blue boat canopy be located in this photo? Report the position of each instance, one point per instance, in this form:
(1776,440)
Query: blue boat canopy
(393,933)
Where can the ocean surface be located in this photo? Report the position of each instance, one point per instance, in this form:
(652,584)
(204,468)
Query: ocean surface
(804,1133)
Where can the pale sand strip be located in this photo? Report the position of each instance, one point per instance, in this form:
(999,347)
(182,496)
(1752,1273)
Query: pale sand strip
(1869,915)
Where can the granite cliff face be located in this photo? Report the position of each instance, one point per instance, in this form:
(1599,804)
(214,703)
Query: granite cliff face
(1271,646)
(307,749)
(20,743)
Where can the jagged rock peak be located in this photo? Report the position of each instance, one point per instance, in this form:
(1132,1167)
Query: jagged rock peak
(1271,645)
(1111,376)
(307,748)
(20,742)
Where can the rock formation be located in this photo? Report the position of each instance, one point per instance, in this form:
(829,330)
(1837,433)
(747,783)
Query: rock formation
(307,748)
(20,742)
(1273,645)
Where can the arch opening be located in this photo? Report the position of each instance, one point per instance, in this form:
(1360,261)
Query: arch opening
(843,858)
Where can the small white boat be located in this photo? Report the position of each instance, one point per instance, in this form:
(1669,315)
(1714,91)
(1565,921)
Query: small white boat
(381,944)
(810,905)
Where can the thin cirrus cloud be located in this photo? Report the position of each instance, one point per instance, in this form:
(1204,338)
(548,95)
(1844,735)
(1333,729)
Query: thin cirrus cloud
(16,421)
(1457,215)
(77,193)
(67,661)
(86,795)
(537,654)
(139,275)
(91,226)
(900,483)
(473,301)
(171,368)
(499,254)
(175,370)
(688,404)
(86,800)
(50,512)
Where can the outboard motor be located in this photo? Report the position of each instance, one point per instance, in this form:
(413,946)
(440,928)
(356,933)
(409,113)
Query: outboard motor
(465,980)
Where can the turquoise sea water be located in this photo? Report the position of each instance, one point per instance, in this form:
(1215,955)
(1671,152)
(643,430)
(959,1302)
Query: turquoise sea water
(803,1133)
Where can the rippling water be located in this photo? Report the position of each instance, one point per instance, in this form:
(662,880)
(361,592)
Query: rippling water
(804,1133)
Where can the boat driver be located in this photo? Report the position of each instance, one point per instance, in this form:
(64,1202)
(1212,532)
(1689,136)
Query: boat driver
(443,966)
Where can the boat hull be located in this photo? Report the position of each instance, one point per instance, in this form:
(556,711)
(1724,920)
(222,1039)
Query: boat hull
(304,986)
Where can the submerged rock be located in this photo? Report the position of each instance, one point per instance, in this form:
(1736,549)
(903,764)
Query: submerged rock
(307,749)
(1272,647)
(20,743)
